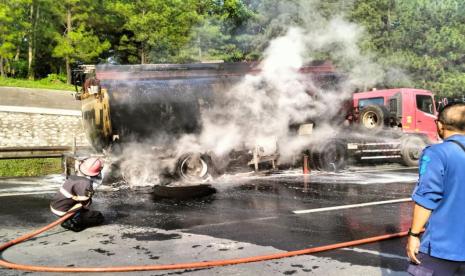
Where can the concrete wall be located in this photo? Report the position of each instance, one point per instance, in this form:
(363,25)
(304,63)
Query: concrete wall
(19,129)
(39,117)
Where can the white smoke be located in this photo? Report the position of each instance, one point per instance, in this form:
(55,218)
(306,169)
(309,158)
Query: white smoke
(139,165)
(259,110)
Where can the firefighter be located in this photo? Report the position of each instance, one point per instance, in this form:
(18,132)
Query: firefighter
(76,194)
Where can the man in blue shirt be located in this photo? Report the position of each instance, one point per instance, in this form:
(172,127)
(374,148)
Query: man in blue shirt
(440,201)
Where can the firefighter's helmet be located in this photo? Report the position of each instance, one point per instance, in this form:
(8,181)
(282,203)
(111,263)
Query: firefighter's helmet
(91,166)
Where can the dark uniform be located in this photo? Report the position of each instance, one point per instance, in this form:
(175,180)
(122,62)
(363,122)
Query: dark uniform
(76,194)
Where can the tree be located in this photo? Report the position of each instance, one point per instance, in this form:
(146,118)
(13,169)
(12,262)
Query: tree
(77,42)
(12,27)
(431,43)
(221,34)
(158,29)
(424,37)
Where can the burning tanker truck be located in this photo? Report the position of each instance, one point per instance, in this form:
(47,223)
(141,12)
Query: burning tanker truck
(123,104)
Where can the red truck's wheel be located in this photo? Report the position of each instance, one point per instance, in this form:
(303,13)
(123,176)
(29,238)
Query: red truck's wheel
(411,149)
(374,117)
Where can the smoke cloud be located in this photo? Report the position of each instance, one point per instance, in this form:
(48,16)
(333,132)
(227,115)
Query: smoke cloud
(259,110)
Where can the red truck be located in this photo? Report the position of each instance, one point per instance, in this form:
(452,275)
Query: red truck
(122,103)
(383,124)
(386,125)
(411,110)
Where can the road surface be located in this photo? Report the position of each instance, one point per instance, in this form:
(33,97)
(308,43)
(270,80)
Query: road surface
(248,215)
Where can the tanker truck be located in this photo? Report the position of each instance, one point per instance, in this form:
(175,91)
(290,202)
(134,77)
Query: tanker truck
(127,103)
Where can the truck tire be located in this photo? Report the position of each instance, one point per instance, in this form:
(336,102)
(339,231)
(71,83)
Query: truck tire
(374,117)
(329,156)
(195,167)
(411,149)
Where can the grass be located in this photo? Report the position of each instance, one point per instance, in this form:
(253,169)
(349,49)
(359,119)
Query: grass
(30,167)
(46,83)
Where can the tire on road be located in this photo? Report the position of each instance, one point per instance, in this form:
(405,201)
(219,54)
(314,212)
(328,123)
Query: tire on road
(195,167)
(329,156)
(374,117)
(411,149)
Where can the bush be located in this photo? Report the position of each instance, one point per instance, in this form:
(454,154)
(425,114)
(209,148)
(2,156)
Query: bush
(54,78)
(20,68)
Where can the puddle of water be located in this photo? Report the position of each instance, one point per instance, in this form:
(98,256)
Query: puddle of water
(347,177)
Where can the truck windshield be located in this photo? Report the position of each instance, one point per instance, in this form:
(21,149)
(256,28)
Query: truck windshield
(425,103)
(371,101)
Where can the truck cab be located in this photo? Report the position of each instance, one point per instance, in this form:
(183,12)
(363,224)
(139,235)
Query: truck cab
(410,110)
(390,124)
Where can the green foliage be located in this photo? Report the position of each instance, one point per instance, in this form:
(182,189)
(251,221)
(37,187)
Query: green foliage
(420,42)
(30,167)
(12,28)
(424,37)
(56,83)
(19,67)
(77,42)
(80,45)
(158,29)
(54,78)
(221,35)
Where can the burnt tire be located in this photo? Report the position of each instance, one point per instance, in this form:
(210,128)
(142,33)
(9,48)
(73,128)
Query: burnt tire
(194,167)
(374,117)
(411,149)
(329,156)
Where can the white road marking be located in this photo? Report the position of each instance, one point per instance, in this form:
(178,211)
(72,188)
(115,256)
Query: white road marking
(377,253)
(31,193)
(39,110)
(383,170)
(341,207)
(29,189)
(31,183)
(17,182)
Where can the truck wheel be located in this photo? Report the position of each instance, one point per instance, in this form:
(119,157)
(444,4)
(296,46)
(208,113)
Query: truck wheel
(374,117)
(330,156)
(411,149)
(195,167)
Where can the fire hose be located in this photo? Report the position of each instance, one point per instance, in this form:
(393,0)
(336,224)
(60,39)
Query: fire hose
(206,264)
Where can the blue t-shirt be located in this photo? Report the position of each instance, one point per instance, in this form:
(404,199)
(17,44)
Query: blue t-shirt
(441,188)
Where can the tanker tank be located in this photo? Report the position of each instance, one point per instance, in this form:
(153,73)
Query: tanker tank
(155,104)
(128,103)
(137,102)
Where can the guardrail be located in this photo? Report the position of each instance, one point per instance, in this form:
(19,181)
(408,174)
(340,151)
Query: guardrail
(38,152)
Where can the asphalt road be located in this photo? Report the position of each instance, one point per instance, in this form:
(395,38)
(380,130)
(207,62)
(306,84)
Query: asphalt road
(248,215)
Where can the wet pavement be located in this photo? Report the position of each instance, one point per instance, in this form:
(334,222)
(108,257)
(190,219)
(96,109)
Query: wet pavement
(248,215)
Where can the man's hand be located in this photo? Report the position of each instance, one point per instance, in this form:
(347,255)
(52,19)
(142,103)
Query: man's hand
(413,245)
(420,217)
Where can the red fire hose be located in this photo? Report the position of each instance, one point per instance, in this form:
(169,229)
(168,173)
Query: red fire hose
(10,265)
